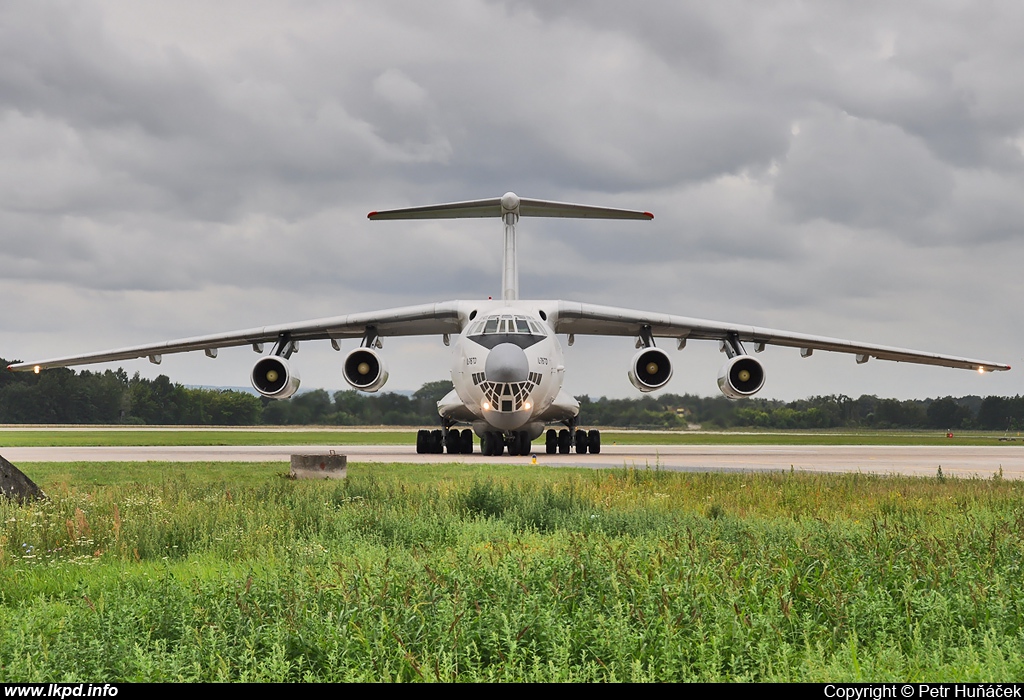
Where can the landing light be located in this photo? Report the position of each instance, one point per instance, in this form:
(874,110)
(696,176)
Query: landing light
(981,370)
(527,405)
(37,369)
(486,405)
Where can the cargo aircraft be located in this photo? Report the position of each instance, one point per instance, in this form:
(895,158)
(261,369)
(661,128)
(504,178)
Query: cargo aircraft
(507,365)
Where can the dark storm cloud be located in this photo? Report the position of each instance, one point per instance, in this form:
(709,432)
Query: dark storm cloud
(860,172)
(176,168)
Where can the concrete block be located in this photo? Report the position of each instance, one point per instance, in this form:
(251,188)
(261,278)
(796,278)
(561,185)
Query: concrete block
(329,466)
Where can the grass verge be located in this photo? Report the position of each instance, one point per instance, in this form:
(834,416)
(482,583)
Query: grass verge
(196,572)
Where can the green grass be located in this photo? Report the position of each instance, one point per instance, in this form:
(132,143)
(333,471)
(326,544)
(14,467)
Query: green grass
(166,437)
(198,572)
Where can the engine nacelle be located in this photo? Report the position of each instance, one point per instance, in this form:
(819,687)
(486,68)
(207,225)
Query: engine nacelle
(274,378)
(365,370)
(741,376)
(650,369)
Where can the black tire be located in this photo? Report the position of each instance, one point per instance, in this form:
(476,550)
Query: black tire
(564,442)
(594,442)
(581,442)
(453,441)
(551,442)
(422,442)
(492,444)
(513,445)
(436,442)
(467,441)
(525,443)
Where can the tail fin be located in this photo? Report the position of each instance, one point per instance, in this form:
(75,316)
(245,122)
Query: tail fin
(508,207)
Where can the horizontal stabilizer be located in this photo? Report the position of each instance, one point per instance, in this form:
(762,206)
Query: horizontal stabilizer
(509,204)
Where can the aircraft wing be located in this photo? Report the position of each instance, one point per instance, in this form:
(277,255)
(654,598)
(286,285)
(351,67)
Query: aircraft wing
(591,319)
(424,319)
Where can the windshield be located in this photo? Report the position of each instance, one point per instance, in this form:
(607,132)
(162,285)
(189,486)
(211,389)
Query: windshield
(506,324)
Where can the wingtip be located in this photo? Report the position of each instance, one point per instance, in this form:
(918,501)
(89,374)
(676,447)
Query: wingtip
(371,215)
(649,215)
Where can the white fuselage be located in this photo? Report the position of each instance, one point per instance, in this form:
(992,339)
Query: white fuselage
(507,371)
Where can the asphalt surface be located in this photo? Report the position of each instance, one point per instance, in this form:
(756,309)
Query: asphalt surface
(982,462)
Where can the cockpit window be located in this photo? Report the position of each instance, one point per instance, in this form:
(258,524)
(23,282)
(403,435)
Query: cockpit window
(518,325)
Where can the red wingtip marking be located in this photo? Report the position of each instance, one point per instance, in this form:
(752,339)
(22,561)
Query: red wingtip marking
(371,215)
(649,215)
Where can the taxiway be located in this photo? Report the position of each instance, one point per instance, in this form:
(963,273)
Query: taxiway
(964,462)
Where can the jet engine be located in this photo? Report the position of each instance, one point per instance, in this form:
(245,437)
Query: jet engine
(274,378)
(741,376)
(650,369)
(365,370)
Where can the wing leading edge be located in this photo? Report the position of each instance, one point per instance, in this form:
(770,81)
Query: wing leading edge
(591,319)
(425,319)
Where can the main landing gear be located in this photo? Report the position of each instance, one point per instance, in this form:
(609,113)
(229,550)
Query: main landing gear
(493,443)
(435,441)
(562,442)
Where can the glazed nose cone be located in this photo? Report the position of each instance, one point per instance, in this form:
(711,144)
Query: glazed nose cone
(506,363)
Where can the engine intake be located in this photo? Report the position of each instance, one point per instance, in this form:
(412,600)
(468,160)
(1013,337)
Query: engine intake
(650,369)
(274,378)
(741,376)
(365,370)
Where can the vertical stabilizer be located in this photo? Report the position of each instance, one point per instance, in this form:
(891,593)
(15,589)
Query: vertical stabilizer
(509,207)
(510,260)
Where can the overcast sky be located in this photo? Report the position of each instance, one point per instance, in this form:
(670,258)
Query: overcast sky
(179,168)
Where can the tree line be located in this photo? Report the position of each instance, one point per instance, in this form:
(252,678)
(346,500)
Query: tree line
(112,397)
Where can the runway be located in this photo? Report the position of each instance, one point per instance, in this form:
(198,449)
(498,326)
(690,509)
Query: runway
(965,462)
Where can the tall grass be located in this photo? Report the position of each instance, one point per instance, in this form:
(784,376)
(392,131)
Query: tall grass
(441,573)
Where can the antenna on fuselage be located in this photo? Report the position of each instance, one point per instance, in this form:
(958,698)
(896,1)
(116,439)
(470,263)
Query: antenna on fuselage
(509,207)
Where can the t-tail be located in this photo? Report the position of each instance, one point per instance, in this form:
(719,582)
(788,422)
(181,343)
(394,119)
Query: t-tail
(509,208)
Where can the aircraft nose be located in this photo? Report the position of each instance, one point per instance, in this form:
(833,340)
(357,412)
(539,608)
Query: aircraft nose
(506,363)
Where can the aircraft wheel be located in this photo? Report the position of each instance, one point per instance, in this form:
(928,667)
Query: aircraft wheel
(551,442)
(525,442)
(563,442)
(467,441)
(454,442)
(422,442)
(513,445)
(436,442)
(492,444)
(594,442)
(581,442)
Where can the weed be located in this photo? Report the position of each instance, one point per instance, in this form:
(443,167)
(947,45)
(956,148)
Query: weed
(448,572)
